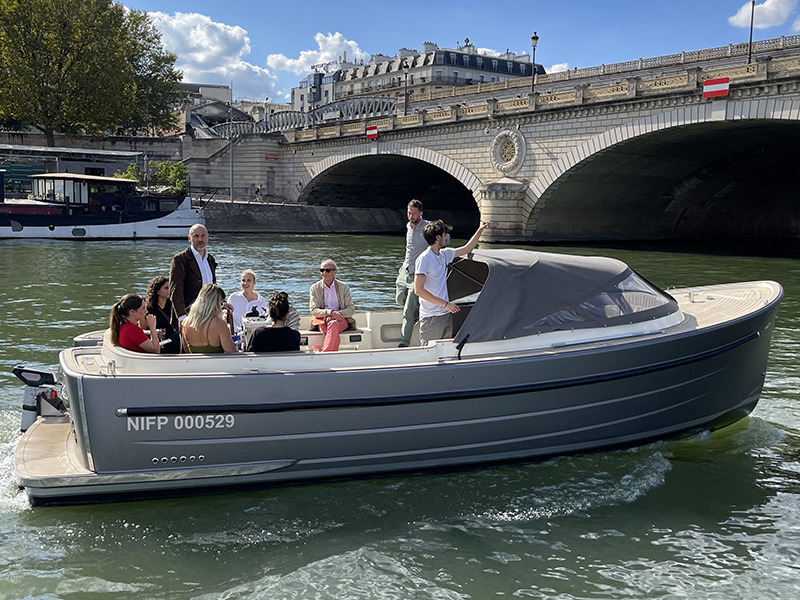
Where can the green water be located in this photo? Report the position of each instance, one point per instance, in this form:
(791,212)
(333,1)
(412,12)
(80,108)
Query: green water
(712,516)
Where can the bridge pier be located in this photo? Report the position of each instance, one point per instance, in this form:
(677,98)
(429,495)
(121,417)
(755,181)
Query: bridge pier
(505,203)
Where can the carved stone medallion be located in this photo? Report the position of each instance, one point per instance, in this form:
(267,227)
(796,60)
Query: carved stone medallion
(507,151)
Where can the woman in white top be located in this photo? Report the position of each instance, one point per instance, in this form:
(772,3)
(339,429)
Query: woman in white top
(245,301)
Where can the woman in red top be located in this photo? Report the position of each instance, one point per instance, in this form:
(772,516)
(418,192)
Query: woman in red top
(125,330)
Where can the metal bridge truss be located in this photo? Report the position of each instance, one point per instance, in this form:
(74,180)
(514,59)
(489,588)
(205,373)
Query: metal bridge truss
(350,109)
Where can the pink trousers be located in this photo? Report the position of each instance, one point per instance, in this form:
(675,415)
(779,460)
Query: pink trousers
(332,329)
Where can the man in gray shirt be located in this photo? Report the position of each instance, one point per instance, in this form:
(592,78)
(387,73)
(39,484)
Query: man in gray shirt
(415,245)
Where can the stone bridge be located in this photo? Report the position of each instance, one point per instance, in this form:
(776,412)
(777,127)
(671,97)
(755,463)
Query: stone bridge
(629,151)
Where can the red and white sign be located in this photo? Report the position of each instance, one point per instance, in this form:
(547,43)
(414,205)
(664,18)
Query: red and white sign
(372,132)
(714,88)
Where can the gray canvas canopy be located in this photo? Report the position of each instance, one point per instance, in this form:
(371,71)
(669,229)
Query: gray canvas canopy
(525,293)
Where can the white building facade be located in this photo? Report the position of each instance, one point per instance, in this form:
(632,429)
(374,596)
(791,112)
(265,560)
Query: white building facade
(410,72)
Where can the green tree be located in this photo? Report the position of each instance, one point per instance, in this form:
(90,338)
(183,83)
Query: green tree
(173,175)
(156,95)
(81,65)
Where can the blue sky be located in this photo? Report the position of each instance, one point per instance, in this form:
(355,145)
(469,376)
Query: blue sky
(264,48)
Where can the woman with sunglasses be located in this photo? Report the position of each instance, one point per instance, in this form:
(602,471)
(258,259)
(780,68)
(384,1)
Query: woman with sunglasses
(331,306)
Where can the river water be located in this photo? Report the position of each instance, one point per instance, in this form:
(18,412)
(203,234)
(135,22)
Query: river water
(710,516)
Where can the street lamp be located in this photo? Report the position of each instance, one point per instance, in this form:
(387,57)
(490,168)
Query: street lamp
(405,100)
(534,41)
(311,97)
(750,45)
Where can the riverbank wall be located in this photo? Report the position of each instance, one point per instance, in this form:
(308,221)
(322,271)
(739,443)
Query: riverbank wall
(275,217)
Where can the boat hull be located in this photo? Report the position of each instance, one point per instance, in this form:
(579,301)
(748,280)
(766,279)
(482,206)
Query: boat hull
(37,223)
(318,423)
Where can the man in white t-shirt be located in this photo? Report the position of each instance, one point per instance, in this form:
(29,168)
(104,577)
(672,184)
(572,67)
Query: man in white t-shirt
(430,280)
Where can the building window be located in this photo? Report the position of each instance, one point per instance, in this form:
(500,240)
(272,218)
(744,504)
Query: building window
(510,67)
(522,69)
(440,59)
(481,78)
(452,59)
(494,65)
(455,76)
(466,60)
(438,75)
(480,62)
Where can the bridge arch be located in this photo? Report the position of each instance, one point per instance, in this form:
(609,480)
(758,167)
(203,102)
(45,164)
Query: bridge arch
(446,164)
(684,164)
(387,175)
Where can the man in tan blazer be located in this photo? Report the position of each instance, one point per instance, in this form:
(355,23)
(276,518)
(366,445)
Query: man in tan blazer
(331,305)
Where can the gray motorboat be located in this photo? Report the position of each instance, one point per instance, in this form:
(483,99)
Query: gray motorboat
(553,354)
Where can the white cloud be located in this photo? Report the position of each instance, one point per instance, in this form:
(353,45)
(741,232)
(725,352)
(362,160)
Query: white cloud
(211,52)
(558,68)
(330,47)
(767,14)
(488,52)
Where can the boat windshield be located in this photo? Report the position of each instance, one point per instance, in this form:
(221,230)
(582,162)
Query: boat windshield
(631,295)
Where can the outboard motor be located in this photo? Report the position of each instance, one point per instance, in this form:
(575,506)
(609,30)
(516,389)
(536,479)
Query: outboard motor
(41,396)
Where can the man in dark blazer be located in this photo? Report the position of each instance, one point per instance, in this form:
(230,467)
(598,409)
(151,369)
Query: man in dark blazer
(189,271)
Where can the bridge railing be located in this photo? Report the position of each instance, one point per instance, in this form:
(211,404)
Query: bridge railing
(731,50)
(683,82)
(347,116)
(342,110)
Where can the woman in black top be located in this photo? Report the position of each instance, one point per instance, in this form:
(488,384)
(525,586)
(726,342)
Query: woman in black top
(158,303)
(275,337)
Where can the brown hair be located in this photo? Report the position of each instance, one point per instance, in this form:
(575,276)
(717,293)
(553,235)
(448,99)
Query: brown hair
(151,297)
(278,306)
(120,312)
(434,229)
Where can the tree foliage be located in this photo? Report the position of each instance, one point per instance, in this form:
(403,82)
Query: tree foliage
(83,65)
(155,78)
(175,176)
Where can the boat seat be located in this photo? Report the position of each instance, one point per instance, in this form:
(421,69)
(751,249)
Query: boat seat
(349,339)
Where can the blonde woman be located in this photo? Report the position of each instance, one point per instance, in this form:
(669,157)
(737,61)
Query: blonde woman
(246,300)
(204,330)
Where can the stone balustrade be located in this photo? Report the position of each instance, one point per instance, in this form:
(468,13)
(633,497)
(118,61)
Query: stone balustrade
(688,81)
(669,60)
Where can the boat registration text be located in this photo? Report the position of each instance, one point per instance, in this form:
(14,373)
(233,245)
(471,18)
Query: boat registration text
(181,422)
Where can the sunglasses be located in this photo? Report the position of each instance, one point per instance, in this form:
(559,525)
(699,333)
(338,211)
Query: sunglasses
(327,270)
